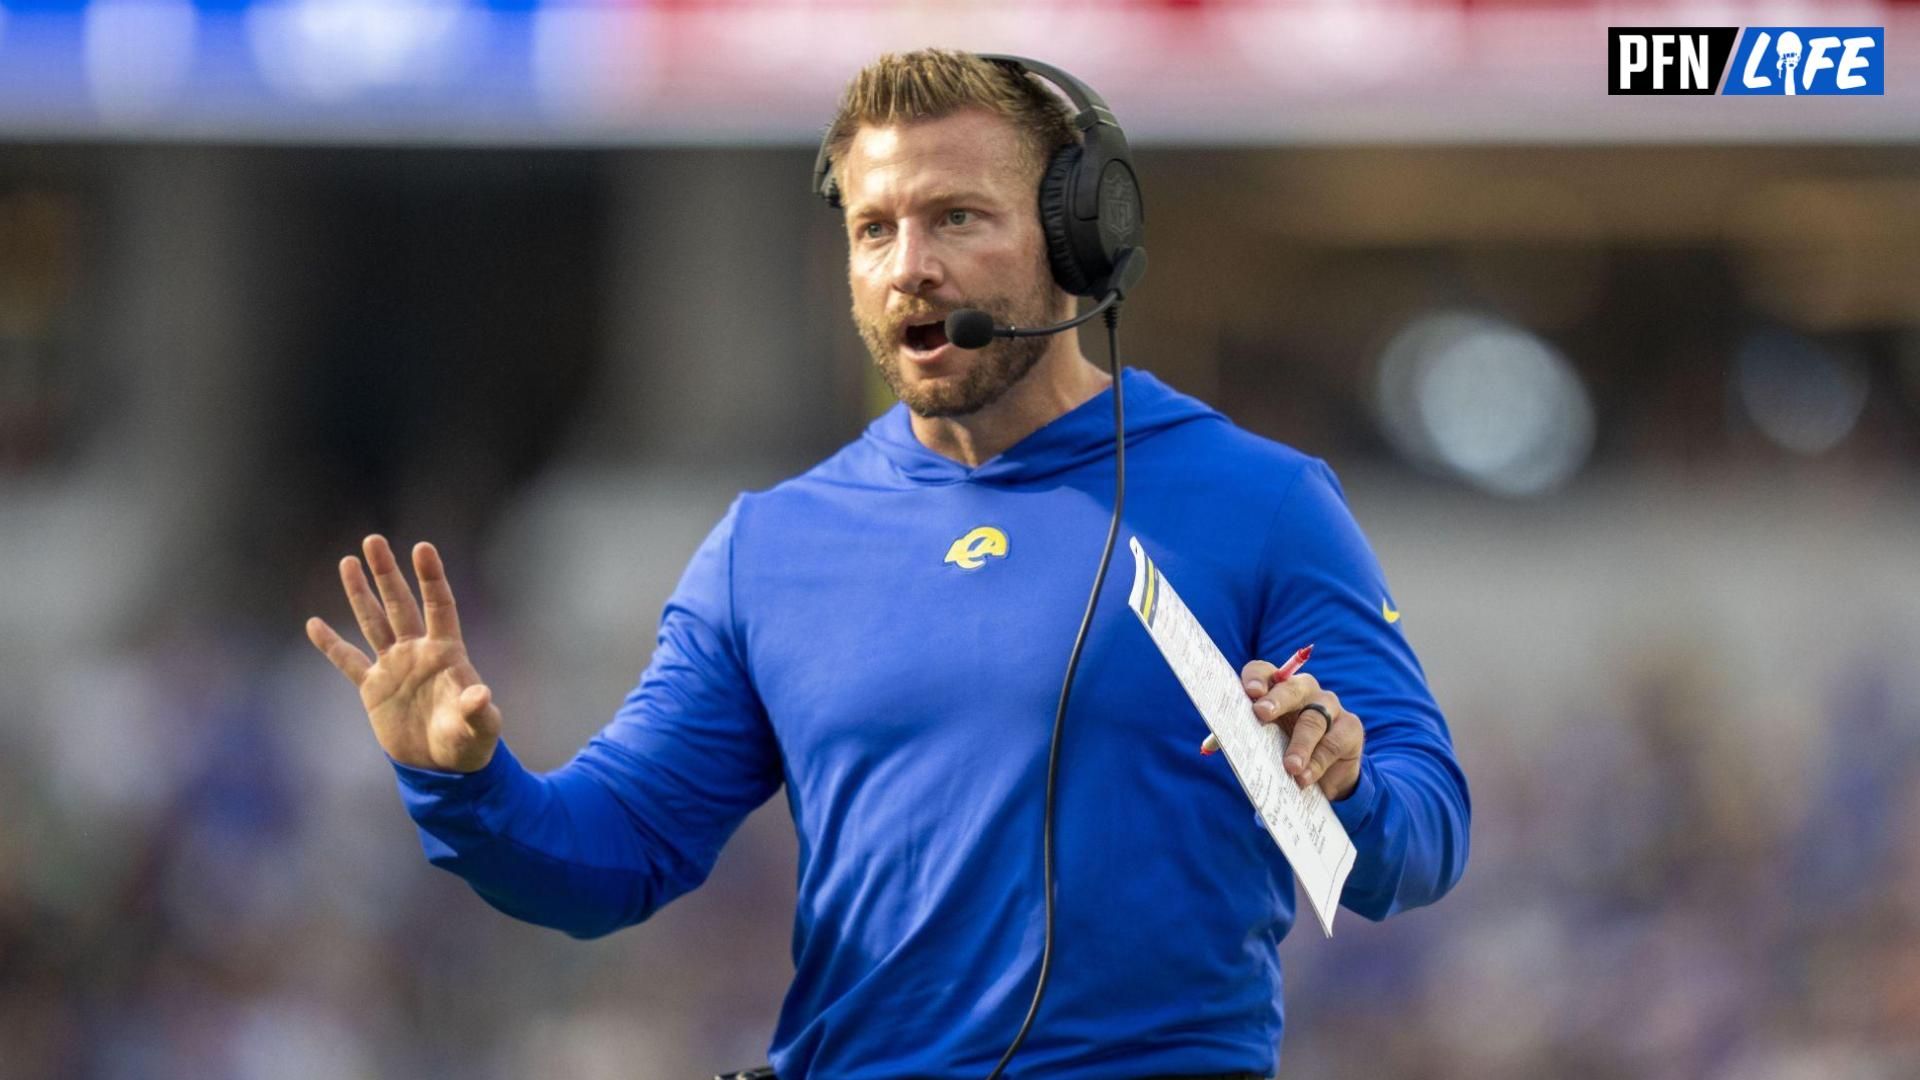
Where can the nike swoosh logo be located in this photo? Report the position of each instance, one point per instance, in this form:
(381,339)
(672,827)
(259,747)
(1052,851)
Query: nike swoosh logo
(1388,613)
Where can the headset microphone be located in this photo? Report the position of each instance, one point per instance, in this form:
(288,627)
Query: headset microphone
(971,328)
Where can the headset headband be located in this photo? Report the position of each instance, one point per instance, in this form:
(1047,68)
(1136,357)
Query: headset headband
(1091,111)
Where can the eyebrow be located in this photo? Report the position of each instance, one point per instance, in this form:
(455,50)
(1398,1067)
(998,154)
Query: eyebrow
(944,196)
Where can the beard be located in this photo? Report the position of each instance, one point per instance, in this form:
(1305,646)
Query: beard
(994,370)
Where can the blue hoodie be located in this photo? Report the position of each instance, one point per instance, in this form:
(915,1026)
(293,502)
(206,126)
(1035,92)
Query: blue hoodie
(830,636)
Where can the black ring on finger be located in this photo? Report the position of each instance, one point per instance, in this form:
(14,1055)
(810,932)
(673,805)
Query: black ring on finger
(1314,706)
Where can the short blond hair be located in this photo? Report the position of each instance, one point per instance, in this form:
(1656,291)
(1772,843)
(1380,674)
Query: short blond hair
(928,84)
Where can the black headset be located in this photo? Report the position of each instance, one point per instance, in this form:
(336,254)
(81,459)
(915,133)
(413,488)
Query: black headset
(1089,200)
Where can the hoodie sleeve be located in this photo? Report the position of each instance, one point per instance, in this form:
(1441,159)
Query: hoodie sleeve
(1408,815)
(640,814)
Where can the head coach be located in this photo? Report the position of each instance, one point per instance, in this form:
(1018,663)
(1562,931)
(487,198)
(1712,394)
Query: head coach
(901,682)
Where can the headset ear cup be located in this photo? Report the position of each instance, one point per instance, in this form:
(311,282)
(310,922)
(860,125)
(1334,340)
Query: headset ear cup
(1057,221)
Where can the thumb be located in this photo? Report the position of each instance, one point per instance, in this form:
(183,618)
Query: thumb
(477,709)
(474,699)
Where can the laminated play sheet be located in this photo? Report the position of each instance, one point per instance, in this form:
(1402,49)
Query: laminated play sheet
(1302,822)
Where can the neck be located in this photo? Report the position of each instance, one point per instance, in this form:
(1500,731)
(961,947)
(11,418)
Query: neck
(1061,382)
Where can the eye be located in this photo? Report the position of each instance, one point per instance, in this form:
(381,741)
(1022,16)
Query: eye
(873,230)
(959,217)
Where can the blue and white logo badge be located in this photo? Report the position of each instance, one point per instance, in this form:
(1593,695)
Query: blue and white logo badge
(1808,60)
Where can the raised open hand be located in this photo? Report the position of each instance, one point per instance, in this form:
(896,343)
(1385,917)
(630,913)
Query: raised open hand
(427,704)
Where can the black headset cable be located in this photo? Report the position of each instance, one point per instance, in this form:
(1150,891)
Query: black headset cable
(1073,663)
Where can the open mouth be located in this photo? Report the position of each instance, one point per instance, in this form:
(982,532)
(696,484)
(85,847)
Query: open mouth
(926,337)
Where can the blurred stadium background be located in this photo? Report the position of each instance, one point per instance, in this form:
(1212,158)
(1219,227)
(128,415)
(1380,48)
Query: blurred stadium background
(1625,390)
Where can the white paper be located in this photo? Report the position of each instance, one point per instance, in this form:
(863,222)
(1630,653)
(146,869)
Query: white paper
(1301,822)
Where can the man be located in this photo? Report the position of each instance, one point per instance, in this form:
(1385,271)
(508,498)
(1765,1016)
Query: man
(836,635)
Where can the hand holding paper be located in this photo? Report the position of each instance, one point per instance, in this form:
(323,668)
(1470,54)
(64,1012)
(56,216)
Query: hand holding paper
(1300,820)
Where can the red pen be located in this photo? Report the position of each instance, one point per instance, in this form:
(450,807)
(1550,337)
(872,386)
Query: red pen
(1291,667)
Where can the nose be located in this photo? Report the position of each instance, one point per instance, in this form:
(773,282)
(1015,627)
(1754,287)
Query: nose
(916,265)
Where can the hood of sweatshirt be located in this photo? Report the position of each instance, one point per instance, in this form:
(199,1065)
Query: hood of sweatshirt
(1079,437)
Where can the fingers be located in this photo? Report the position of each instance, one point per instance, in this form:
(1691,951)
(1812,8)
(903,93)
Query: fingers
(1257,676)
(366,607)
(1284,699)
(1339,746)
(1309,725)
(443,621)
(402,612)
(351,661)
(1274,699)
(1324,741)
(1285,696)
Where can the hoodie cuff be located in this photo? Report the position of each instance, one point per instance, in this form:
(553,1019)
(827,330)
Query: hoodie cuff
(431,785)
(1358,809)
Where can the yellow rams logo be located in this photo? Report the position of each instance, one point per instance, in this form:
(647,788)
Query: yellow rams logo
(972,551)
